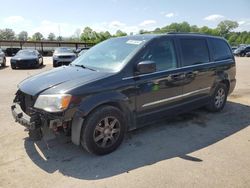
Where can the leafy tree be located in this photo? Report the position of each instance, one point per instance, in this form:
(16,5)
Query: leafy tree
(226,26)
(87,34)
(51,36)
(37,36)
(59,38)
(7,34)
(194,28)
(107,35)
(23,35)
(120,33)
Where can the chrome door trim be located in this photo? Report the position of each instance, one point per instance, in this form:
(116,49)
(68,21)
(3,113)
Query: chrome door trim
(175,97)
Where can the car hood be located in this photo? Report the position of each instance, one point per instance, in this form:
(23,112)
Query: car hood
(59,80)
(20,57)
(64,54)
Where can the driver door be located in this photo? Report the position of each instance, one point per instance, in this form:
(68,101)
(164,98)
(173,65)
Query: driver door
(161,90)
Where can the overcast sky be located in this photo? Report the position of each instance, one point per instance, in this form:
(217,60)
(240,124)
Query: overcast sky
(65,16)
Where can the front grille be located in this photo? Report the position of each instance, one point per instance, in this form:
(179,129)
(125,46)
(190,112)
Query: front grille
(26,101)
(25,63)
(66,56)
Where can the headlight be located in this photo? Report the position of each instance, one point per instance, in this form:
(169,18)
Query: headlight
(53,103)
(55,57)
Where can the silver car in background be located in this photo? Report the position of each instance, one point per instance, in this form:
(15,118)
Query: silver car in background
(2,58)
(63,56)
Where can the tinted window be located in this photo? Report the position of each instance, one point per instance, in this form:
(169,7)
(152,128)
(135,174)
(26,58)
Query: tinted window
(247,49)
(26,52)
(162,53)
(63,50)
(220,50)
(194,51)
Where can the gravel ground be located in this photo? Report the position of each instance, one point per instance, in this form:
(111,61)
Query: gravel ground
(197,149)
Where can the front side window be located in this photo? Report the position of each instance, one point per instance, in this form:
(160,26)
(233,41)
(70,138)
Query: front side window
(162,52)
(220,49)
(194,51)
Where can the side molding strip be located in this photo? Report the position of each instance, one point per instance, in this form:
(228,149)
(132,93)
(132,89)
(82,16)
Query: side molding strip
(175,97)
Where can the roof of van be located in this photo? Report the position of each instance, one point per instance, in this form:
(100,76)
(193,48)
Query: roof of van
(150,36)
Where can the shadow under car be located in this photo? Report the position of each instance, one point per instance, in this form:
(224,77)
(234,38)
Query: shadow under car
(176,137)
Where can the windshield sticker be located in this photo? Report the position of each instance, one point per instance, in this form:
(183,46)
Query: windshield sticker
(136,42)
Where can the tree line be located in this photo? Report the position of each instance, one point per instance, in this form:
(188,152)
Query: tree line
(224,28)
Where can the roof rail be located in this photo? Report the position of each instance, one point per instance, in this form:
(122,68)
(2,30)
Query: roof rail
(186,33)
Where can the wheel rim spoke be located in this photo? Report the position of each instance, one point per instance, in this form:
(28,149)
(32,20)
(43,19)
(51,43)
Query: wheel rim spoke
(106,122)
(98,138)
(115,131)
(112,139)
(104,142)
(113,123)
(99,128)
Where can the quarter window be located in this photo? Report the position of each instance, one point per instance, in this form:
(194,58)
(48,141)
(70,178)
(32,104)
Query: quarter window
(194,51)
(220,49)
(162,53)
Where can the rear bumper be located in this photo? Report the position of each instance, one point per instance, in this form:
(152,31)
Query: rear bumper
(232,86)
(30,122)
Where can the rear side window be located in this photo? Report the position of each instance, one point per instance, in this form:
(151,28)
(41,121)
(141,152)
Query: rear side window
(194,51)
(220,49)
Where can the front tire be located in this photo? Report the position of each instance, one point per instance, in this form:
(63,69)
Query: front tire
(41,63)
(4,62)
(218,99)
(103,131)
(242,54)
(13,66)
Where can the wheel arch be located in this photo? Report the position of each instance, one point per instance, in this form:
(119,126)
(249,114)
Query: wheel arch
(91,104)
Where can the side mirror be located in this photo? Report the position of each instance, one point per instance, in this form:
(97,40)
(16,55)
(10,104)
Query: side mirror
(145,67)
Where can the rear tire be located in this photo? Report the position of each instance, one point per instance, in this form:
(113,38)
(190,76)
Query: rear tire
(218,99)
(103,130)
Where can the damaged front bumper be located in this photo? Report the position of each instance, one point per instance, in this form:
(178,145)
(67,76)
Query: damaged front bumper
(36,120)
(30,122)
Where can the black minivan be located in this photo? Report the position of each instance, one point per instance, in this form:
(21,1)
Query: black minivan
(124,83)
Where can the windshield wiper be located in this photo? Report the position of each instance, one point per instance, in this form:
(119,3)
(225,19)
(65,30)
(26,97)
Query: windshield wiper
(84,67)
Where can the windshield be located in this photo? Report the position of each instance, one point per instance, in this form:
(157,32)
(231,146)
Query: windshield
(26,53)
(63,50)
(109,55)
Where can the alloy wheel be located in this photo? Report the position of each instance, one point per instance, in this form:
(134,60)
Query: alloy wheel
(107,132)
(220,98)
